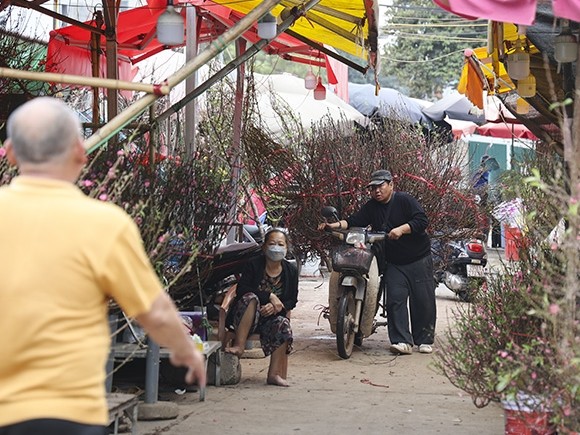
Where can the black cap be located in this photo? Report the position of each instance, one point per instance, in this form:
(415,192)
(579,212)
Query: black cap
(379,177)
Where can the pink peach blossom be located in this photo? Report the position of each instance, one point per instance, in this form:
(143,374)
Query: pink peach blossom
(554,309)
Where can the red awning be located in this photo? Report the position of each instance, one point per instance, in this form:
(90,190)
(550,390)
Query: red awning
(506,131)
(69,47)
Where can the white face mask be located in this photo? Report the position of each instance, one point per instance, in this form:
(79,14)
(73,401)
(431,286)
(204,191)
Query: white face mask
(275,252)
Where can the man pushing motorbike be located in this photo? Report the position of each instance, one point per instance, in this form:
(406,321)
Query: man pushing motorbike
(408,268)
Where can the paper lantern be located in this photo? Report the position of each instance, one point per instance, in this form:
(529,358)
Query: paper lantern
(310,80)
(527,87)
(518,63)
(319,90)
(267,28)
(170,26)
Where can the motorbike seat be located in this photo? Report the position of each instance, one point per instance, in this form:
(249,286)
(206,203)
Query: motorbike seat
(235,247)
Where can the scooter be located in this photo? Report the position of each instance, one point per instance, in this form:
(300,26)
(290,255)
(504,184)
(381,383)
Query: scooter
(460,265)
(355,285)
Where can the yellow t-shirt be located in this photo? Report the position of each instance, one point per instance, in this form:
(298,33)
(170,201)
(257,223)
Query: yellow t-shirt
(62,256)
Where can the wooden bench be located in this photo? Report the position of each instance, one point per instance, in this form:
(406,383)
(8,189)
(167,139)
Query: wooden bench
(129,351)
(122,404)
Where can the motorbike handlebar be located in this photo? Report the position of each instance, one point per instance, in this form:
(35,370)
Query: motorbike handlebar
(376,236)
(370,236)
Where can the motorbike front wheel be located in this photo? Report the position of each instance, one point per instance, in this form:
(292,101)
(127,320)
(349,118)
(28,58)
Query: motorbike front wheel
(345,335)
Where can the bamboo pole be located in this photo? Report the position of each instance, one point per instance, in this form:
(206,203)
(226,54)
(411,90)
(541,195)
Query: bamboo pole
(217,46)
(283,27)
(83,81)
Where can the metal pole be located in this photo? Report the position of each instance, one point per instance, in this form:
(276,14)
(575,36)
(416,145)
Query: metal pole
(237,134)
(112,66)
(190,82)
(111,359)
(151,372)
(102,135)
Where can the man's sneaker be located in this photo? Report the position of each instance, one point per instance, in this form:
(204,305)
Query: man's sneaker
(401,349)
(425,348)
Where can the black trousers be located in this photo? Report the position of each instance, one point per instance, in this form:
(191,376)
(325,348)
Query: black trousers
(52,426)
(413,284)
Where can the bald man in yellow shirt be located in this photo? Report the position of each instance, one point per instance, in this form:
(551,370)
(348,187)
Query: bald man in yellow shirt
(63,257)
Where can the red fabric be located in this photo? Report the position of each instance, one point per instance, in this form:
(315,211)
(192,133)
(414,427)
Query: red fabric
(133,26)
(508,11)
(65,59)
(567,9)
(337,73)
(444,4)
(505,131)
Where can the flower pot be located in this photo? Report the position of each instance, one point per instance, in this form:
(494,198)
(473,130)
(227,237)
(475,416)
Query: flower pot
(526,416)
(527,423)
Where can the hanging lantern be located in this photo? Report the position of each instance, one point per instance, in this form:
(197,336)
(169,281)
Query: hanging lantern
(527,87)
(319,90)
(565,46)
(310,80)
(522,106)
(170,26)
(267,28)
(518,63)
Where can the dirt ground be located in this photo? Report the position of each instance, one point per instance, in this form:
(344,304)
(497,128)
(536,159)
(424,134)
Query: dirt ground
(373,392)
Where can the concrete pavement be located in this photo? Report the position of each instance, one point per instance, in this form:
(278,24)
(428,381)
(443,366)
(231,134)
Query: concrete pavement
(373,392)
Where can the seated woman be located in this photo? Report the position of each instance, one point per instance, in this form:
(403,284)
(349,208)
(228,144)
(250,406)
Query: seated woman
(266,292)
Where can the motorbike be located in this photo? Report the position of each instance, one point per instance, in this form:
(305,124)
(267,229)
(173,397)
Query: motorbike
(460,265)
(355,285)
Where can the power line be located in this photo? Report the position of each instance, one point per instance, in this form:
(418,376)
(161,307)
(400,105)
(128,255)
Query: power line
(431,37)
(384,58)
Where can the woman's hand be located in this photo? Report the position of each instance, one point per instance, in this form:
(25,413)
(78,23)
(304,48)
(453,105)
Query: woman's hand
(276,303)
(268,310)
(272,307)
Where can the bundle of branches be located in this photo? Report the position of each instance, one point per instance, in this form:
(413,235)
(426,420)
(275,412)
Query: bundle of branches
(175,203)
(332,164)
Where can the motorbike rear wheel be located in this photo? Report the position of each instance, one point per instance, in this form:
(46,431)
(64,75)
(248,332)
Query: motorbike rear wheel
(345,335)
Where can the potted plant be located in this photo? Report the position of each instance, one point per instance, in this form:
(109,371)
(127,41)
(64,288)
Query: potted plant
(518,344)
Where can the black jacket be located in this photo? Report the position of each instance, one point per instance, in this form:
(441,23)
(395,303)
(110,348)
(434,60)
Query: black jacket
(401,209)
(253,275)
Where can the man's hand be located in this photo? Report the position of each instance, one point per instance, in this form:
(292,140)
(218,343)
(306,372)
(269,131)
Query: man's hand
(322,226)
(194,360)
(397,232)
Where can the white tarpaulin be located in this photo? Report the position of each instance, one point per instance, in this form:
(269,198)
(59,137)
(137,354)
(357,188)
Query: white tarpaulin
(308,111)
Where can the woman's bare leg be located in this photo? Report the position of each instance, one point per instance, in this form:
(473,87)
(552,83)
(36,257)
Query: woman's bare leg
(278,369)
(243,330)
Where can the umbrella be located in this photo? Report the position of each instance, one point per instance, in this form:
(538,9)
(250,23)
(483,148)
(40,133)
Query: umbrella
(390,103)
(502,130)
(453,106)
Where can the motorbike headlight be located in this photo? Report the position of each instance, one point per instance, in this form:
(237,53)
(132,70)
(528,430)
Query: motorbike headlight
(356,238)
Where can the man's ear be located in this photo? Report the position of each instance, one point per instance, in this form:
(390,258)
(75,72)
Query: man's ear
(10,154)
(80,153)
